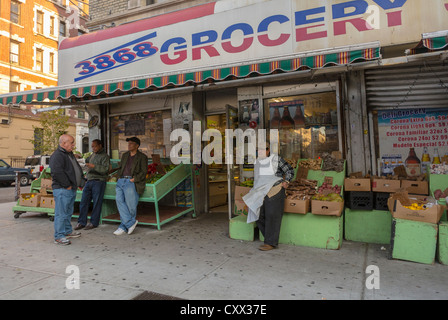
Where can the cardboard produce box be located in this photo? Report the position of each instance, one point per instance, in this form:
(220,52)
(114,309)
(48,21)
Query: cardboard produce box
(297,206)
(47,201)
(240,192)
(351,184)
(241,208)
(415,187)
(327,208)
(46,183)
(385,185)
(430,215)
(30,199)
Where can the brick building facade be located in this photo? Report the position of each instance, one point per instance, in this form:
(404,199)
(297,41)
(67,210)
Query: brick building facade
(30,31)
(111,13)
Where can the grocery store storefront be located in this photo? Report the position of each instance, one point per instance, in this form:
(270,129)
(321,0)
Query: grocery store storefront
(312,72)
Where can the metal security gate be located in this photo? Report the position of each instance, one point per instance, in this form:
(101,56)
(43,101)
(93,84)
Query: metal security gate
(416,85)
(423,85)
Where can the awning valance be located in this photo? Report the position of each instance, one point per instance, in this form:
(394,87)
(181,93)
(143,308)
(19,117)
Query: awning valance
(431,42)
(88,92)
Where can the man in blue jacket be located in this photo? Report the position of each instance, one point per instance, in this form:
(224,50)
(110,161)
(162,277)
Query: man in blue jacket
(67,176)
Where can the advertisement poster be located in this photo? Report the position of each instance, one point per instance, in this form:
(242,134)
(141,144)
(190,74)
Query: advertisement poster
(413,138)
(249,113)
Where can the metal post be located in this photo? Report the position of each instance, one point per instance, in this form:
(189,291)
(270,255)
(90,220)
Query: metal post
(17,188)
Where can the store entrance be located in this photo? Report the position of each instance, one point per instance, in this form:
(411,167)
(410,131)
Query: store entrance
(221,177)
(217,173)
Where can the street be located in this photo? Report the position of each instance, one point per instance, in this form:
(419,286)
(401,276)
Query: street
(7,193)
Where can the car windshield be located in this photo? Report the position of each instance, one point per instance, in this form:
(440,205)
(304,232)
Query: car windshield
(3,164)
(32,161)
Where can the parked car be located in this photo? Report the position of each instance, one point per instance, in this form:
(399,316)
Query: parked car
(36,164)
(8,174)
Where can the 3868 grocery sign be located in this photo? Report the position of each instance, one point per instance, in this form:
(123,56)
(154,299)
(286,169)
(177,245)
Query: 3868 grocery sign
(117,57)
(221,34)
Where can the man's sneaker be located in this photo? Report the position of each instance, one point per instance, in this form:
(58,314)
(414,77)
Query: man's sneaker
(119,232)
(131,229)
(62,241)
(73,235)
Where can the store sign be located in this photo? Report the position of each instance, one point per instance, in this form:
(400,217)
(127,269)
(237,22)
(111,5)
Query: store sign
(222,34)
(419,134)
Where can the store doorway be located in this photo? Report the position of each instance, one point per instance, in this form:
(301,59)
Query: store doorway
(217,173)
(221,177)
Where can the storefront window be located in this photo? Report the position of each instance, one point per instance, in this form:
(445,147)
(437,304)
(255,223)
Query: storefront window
(307,124)
(152,128)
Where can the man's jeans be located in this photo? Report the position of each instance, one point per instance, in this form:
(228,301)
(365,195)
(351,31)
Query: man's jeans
(93,190)
(64,204)
(127,201)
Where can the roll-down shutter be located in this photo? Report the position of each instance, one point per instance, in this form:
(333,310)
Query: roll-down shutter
(423,85)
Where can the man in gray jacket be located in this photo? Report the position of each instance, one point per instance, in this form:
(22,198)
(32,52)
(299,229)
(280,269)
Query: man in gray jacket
(98,168)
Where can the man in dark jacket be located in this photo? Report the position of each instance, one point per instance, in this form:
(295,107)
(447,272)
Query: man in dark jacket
(130,185)
(67,176)
(98,168)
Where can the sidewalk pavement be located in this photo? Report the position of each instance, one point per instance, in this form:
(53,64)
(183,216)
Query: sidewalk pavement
(195,259)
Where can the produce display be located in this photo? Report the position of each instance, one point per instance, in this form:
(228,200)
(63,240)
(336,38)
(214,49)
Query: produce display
(28,196)
(330,163)
(311,164)
(154,174)
(411,203)
(327,188)
(248,183)
(292,163)
(328,192)
(302,189)
(438,194)
(416,206)
(332,197)
(439,168)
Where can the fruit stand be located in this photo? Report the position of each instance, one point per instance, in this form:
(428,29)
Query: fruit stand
(150,212)
(30,202)
(306,221)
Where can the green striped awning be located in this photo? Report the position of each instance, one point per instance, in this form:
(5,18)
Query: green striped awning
(89,92)
(432,42)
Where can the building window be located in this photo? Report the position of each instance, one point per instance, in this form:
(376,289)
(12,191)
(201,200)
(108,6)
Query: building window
(81,114)
(51,62)
(149,2)
(39,59)
(14,86)
(14,52)
(61,28)
(52,26)
(15,12)
(39,22)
